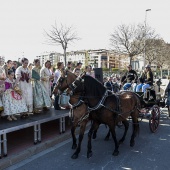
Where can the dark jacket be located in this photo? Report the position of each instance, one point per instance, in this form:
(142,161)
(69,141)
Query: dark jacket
(109,85)
(142,78)
(149,78)
(129,76)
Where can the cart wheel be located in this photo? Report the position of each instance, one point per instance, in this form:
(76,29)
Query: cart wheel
(154,118)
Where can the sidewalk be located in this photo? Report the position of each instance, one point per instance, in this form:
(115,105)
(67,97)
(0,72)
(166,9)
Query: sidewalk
(21,143)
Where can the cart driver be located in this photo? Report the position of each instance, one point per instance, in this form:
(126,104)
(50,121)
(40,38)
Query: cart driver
(128,78)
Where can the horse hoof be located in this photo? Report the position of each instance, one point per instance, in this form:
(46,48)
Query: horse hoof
(106,138)
(74,146)
(74,156)
(89,154)
(115,153)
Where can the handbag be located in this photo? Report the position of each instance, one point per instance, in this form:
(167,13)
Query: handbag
(63,99)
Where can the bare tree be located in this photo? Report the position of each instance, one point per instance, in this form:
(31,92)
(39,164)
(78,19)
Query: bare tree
(154,49)
(61,35)
(130,39)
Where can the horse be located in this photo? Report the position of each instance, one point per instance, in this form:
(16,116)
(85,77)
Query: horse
(77,105)
(104,107)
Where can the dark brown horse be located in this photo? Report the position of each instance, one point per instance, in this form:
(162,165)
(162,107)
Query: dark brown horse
(78,107)
(104,107)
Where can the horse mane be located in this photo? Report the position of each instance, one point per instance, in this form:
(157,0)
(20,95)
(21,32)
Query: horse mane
(93,87)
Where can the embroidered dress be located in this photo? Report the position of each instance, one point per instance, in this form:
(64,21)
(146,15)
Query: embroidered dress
(45,79)
(40,97)
(23,75)
(2,86)
(13,103)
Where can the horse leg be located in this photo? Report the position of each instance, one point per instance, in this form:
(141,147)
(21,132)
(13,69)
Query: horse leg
(126,125)
(92,130)
(81,134)
(107,136)
(94,134)
(112,130)
(74,145)
(135,130)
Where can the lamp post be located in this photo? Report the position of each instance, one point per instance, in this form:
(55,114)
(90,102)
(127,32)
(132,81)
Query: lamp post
(145,34)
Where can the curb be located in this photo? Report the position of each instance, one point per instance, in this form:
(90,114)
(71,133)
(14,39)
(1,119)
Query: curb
(13,159)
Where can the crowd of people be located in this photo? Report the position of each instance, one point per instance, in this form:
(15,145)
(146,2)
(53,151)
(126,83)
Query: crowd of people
(27,89)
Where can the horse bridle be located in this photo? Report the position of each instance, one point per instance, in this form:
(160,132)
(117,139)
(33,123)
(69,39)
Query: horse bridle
(74,85)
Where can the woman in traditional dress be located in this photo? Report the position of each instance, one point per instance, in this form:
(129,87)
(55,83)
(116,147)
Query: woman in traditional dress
(2,86)
(13,102)
(46,77)
(23,79)
(41,98)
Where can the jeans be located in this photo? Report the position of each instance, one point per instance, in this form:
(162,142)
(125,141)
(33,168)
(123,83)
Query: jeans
(139,86)
(126,86)
(56,105)
(144,87)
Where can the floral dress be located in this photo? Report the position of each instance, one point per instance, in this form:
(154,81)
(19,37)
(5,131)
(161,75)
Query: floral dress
(41,98)
(13,102)
(23,76)
(2,86)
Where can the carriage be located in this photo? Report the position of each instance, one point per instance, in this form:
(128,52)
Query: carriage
(151,102)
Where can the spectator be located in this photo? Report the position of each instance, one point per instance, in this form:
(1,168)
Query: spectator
(14,67)
(23,80)
(12,101)
(2,86)
(109,84)
(57,75)
(69,66)
(77,70)
(105,79)
(46,77)
(41,98)
(7,66)
(88,70)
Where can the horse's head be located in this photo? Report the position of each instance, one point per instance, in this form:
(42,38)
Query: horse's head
(67,80)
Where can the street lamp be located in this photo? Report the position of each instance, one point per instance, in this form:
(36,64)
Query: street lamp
(145,34)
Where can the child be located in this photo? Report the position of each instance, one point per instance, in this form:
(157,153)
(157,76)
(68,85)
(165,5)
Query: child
(12,101)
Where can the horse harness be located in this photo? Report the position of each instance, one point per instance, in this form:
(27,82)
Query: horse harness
(100,104)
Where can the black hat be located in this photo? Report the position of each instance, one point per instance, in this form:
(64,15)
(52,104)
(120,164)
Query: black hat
(148,66)
(79,63)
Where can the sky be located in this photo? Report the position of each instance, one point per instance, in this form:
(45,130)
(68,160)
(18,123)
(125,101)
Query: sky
(22,23)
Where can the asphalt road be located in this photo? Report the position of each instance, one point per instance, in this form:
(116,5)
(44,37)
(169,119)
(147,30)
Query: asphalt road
(151,151)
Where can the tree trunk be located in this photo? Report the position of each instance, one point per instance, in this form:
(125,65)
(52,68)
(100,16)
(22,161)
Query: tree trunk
(130,60)
(65,59)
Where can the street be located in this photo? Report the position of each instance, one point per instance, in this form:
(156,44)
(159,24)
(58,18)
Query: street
(151,151)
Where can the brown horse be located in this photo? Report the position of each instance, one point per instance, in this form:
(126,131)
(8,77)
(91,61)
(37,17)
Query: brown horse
(104,107)
(78,107)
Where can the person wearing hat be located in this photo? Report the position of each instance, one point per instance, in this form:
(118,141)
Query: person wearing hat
(128,78)
(77,70)
(148,78)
